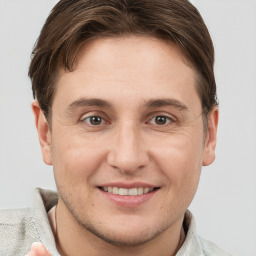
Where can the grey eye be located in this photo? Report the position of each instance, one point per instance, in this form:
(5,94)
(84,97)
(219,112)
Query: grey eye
(94,120)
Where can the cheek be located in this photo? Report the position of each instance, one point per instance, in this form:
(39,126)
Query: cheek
(180,160)
(75,159)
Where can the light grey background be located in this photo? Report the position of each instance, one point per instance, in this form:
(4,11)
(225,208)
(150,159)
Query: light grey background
(225,205)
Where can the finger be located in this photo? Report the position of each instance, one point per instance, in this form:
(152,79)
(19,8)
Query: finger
(38,249)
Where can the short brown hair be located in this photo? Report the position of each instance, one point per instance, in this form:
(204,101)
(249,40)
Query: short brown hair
(73,22)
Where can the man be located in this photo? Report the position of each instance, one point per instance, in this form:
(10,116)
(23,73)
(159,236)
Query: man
(126,114)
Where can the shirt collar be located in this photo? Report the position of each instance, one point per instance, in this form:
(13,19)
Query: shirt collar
(44,200)
(192,243)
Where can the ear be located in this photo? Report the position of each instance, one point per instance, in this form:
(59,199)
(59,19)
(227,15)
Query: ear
(211,136)
(43,131)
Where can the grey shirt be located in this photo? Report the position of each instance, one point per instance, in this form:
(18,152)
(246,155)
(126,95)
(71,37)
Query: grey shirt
(20,228)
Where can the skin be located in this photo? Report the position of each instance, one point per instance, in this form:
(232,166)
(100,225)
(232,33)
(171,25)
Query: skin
(38,249)
(127,146)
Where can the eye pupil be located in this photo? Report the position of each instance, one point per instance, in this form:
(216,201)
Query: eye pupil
(95,120)
(160,120)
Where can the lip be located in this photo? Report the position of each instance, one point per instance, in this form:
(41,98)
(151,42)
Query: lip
(128,201)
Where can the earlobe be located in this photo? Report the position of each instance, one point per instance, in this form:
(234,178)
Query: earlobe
(211,137)
(44,133)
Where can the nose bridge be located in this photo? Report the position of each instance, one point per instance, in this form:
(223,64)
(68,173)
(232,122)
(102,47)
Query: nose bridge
(128,152)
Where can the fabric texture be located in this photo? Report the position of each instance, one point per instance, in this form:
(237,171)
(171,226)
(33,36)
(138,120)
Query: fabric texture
(20,228)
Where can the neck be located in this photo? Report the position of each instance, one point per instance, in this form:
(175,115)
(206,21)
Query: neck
(72,239)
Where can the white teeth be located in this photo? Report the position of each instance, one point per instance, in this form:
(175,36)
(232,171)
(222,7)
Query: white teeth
(133,191)
(145,190)
(123,191)
(115,191)
(140,191)
(126,191)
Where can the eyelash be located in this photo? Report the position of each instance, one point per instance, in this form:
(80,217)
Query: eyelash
(167,120)
(90,119)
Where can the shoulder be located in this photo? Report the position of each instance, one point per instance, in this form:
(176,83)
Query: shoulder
(17,231)
(211,249)
(194,244)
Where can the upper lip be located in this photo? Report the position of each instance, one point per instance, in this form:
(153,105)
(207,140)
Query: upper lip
(128,185)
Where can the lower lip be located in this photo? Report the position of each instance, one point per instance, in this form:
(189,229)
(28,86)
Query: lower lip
(129,201)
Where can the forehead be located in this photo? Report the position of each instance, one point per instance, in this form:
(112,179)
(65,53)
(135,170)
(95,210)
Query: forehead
(135,68)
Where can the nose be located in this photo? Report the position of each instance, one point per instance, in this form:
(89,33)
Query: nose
(128,152)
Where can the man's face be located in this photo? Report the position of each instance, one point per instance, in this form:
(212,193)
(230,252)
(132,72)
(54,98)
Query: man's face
(127,142)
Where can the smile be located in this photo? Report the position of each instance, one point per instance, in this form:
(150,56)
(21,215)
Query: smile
(127,191)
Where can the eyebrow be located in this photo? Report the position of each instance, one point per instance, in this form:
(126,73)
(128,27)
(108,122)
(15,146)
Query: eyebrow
(152,103)
(84,102)
(157,103)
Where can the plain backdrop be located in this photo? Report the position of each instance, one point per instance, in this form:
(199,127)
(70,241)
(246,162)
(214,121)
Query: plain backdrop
(225,205)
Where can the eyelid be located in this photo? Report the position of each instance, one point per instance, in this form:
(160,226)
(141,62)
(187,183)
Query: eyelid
(89,117)
(86,124)
(168,118)
(93,113)
(167,115)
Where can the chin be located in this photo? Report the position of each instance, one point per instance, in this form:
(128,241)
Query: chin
(131,231)
(129,238)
